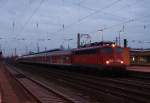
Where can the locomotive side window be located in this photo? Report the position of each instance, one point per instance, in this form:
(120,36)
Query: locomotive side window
(107,50)
(119,50)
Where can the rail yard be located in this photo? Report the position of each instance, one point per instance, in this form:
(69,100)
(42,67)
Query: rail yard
(74,51)
(42,85)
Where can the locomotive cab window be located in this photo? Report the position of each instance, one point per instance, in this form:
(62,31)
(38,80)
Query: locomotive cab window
(83,52)
(107,50)
(119,50)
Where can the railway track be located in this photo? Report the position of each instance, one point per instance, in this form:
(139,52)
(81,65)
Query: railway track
(127,91)
(115,89)
(38,90)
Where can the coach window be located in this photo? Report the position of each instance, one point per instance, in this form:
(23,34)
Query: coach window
(67,58)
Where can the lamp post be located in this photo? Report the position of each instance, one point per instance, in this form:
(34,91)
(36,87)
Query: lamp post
(102,33)
(26,47)
(67,40)
(119,37)
(38,45)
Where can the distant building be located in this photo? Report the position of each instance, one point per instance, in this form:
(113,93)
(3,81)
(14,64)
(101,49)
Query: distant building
(140,56)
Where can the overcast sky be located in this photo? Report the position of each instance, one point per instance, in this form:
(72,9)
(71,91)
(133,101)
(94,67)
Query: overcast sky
(51,23)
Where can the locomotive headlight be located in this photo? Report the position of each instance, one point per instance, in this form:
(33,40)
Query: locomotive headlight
(107,62)
(113,45)
(121,62)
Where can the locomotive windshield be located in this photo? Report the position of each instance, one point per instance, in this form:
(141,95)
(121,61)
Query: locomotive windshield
(107,50)
(119,50)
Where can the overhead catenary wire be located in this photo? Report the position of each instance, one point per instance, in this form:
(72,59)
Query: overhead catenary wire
(129,21)
(106,13)
(87,16)
(123,23)
(92,9)
(97,11)
(30,17)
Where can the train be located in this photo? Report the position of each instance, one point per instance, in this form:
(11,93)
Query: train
(100,55)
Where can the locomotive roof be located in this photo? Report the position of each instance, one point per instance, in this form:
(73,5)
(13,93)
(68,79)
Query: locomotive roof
(102,43)
(93,47)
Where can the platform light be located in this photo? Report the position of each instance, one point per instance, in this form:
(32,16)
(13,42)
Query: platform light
(133,59)
(107,62)
(121,62)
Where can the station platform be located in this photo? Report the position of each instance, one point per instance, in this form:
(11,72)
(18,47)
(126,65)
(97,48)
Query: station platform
(10,90)
(144,69)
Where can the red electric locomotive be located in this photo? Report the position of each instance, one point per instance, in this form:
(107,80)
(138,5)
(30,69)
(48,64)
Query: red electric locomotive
(101,55)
